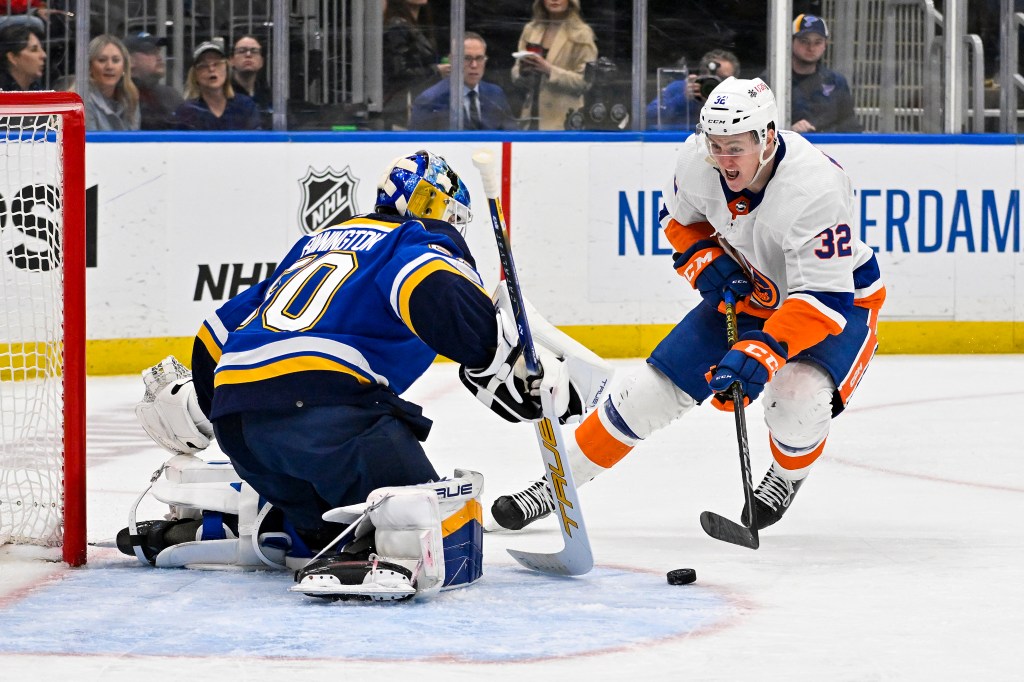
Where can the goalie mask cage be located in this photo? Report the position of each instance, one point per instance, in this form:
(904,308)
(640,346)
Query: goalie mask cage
(42,323)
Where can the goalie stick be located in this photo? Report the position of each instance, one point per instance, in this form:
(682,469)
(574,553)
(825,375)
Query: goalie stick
(714,525)
(575,558)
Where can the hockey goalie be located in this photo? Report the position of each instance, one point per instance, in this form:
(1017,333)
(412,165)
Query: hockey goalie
(299,378)
(404,541)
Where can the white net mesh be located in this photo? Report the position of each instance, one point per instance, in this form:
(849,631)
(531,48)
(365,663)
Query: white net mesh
(31,331)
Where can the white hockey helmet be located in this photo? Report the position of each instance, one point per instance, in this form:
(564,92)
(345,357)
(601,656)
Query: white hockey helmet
(738,105)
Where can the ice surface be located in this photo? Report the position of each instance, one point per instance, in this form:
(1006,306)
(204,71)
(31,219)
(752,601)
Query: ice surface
(900,560)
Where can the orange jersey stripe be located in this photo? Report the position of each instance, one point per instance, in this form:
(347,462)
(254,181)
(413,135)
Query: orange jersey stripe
(598,444)
(792,463)
(873,302)
(867,351)
(799,325)
(682,237)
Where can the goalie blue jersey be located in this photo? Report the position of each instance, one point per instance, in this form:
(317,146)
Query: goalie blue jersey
(352,311)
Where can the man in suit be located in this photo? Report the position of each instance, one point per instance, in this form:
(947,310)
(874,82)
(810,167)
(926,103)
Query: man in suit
(485,104)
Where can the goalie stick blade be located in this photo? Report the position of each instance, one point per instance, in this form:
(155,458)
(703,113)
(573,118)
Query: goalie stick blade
(573,560)
(721,528)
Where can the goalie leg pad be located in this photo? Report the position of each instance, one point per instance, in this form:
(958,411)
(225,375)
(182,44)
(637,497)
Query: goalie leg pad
(250,550)
(202,496)
(433,530)
(461,526)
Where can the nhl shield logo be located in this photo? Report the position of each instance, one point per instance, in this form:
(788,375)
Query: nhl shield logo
(328,198)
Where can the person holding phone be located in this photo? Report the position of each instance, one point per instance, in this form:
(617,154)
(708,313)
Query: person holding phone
(553,50)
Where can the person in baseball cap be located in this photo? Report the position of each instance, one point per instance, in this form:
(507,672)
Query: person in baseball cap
(808,23)
(211,103)
(145,43)
(211,45)
(822,100)
(157,101)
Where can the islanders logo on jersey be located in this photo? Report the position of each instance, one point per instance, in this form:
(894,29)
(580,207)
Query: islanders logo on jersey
(328,198)
(766,292)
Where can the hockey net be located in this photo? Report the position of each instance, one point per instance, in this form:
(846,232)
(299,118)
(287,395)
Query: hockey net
(42,331)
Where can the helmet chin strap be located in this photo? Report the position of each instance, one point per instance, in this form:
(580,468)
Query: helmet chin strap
(765,161)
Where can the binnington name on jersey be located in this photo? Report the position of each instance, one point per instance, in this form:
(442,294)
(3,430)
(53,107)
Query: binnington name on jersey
(350,239)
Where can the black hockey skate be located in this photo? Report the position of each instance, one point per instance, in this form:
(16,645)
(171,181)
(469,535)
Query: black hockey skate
(517,511)
(771,499)
(156,536)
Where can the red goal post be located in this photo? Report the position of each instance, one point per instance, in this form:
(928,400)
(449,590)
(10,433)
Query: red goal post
(42,328)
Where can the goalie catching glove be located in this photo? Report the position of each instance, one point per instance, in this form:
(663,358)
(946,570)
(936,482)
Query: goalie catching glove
(575,376)
(169,410)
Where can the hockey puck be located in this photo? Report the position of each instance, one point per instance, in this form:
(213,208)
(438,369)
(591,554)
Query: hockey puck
(681,576)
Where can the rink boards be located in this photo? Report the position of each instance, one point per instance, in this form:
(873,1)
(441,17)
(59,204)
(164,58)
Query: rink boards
(179,223)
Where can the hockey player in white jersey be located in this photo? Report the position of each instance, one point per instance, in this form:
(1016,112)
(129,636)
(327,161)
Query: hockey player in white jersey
(767,217)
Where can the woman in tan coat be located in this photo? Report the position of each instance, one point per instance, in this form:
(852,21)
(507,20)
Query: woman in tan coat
(556,46)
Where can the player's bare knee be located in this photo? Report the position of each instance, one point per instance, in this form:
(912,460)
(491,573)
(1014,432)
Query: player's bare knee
(798,405)
(647,400)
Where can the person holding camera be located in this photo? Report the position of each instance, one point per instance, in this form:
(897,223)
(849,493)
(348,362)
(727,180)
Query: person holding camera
(679,103)
(551,59)
(821,101)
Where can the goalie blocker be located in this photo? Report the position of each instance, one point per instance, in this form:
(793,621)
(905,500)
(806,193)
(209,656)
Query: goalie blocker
(577,376)
(403,542)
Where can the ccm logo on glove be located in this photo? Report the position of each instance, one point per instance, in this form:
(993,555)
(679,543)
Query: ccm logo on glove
(696,263)
(763,354)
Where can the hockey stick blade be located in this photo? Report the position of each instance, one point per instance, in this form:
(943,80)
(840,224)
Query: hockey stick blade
(721,528)
(575,557)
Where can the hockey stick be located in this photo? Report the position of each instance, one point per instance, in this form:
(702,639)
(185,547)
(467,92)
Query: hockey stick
(575,558)
(714,525)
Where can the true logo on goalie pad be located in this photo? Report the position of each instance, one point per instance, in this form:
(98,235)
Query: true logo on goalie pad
(328,198)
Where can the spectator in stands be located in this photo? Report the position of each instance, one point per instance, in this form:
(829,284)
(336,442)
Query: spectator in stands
(157,102)
(210,101)
(247,76)
(821,101)
(112,102)
(559,45)
(681,100)
(485,104)
(24,58)
(411,58)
